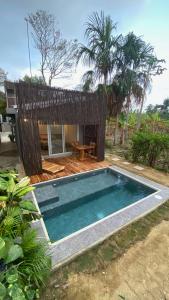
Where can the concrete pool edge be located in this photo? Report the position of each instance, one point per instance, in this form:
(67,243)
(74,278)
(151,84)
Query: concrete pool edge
(68,248)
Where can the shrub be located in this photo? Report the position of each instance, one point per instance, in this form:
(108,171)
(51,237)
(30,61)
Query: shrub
(24,265)
(149,147)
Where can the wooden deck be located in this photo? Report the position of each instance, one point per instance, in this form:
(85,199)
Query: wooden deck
(72,166)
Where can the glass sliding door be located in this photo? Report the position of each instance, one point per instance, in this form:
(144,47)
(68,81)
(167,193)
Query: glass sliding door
(56,137)
(70,132)
(43,134)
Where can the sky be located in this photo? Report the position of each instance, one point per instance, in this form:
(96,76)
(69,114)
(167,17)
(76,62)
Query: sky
(146,18)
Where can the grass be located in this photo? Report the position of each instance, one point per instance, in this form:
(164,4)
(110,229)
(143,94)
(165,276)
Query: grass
(99,257)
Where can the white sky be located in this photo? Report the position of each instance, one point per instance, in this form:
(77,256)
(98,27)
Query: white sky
(148,18)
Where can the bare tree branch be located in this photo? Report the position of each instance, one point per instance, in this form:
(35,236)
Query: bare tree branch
(58,55)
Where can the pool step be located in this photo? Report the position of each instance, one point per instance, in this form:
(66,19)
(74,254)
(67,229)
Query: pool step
(68,190)
(53,209)
(49,201)
(48,206)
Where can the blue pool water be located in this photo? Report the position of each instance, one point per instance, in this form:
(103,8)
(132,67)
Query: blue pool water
(70,204)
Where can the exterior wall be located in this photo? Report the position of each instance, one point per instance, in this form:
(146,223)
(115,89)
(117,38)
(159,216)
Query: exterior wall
(49,105)
(29,145)
(10,97)
(81,134)
(100,142)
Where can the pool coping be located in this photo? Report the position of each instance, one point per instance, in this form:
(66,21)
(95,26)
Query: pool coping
(69,247)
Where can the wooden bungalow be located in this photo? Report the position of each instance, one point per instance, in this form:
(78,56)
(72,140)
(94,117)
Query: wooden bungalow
(49,120)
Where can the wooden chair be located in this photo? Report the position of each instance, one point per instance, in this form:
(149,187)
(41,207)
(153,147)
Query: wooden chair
(74,144)
(92,152)
(44,141)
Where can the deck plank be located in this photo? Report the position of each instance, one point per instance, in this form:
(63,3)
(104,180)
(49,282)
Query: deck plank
(72,166)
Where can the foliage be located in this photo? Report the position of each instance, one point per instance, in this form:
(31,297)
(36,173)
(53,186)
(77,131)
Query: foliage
(149,147)
(3,76)
(88,81)
(122,65)
(57,54)
(23,261)
(2,103)
(101,45)
(34,79)
(161,109)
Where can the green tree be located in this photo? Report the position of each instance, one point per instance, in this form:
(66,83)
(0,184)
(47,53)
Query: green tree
(88,81)
(3,76)
(163,109)
(136,64)
(101,46)
(2,103)
(150,109)
(34,79)
(150,66)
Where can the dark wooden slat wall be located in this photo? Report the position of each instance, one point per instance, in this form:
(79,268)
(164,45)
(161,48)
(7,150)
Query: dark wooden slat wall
(44,104)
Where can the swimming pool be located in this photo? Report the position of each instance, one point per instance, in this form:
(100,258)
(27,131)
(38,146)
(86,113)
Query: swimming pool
(70,204)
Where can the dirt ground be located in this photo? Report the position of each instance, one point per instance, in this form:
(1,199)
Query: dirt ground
(150,173)
(142,273)
(111,272)
(8,153)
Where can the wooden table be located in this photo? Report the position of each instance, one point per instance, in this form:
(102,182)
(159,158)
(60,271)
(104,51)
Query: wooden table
(82,149)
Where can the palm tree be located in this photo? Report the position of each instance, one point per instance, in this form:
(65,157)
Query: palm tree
(101,46)
(136,63)
(150,66)
(88,81)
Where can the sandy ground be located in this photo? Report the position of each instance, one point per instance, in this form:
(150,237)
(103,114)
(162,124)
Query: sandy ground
(142,273)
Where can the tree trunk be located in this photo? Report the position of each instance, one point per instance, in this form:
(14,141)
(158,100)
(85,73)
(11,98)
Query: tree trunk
(127,118)
(122,138)
(50,81)
(139,114)
(116,130)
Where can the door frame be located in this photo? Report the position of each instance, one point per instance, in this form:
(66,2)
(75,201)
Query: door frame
(50,154)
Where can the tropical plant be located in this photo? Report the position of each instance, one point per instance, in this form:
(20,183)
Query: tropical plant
(136,64)
(148,147)
(101,46)
(24,264)
(88,81)
(161,109)
(2,103)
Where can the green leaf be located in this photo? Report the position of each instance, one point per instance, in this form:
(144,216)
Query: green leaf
(16,292)
(11,185)
(24,191)
(14,211)
(12,275)
(15,251)
(3,184)
(2,291)
(30,294)
(9,221)
(3,198)
(2,248)
(2,243)
(23,182)
(28,205)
